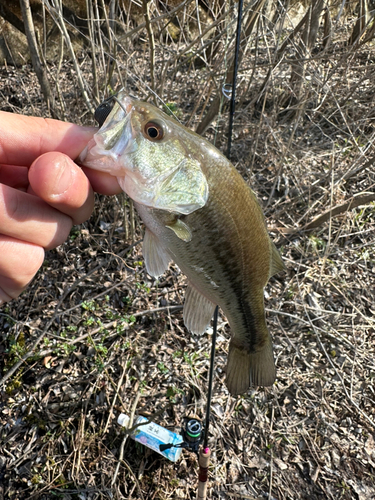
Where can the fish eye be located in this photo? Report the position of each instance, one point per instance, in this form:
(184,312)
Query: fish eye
(154,131)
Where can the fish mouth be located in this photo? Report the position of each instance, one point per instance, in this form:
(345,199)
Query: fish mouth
(117,131)
(114,140)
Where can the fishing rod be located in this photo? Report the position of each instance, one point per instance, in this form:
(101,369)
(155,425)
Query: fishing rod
(205,452)
(234,81)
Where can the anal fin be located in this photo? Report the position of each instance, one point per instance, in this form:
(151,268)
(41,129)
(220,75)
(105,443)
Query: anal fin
(156,258)
(198,311)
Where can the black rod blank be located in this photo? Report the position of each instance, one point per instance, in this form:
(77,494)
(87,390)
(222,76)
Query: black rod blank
(234,82)
(210,378)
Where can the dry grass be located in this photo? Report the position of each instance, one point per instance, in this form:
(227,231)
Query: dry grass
(103,345)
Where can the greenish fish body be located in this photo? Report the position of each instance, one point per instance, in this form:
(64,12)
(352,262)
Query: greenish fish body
(199,212)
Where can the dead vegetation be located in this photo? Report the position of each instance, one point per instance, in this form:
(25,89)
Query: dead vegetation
(93,334)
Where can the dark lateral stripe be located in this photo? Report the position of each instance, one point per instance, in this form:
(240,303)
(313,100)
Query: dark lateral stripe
(232,271)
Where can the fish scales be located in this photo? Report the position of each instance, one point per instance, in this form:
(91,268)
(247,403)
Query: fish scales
(218,238)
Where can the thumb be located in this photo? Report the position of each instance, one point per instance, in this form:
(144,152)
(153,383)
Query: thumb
(56,179)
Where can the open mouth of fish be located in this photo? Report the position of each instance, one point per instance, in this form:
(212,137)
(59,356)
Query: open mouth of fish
(115,138)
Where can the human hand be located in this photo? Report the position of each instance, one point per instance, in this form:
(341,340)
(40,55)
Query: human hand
(42,193)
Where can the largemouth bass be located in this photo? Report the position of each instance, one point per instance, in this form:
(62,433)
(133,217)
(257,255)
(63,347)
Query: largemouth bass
(198,211)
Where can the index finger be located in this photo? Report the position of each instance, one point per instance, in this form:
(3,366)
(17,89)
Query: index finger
(24,138)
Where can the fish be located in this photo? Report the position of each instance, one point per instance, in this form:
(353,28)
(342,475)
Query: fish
(199,212)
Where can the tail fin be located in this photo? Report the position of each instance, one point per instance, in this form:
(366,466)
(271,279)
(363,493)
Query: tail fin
(246,369)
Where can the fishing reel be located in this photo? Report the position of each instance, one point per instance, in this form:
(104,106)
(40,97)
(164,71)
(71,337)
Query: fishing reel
(192,435)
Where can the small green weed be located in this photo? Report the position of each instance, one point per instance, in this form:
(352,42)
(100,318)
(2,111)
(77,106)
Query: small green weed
(162,368)
(173,392)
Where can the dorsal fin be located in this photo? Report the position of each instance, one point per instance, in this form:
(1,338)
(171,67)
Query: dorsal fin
(277,264)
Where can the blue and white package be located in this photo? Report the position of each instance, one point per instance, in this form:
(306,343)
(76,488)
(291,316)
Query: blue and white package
(153,435)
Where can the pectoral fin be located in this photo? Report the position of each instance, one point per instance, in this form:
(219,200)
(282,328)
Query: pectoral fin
(277,264)
(156,258)
(181,230)
(198,311)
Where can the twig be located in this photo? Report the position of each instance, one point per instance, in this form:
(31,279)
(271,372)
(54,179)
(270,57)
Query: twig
(90,24)
(356,201)
(307,323)
(355,171)
(57,15)
(111,26)
(352,402)
(134,477)
(132,220)
(28,354)
(117,393)
(77,452)
(254,13)
(271,476)
(326,252)
(121,454)
(40,70)
(168,16)
(151,40)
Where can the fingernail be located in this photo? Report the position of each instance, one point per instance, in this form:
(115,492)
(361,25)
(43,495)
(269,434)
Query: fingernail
(63,177)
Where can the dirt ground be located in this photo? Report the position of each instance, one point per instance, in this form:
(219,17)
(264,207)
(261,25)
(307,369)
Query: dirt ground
(113,339)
